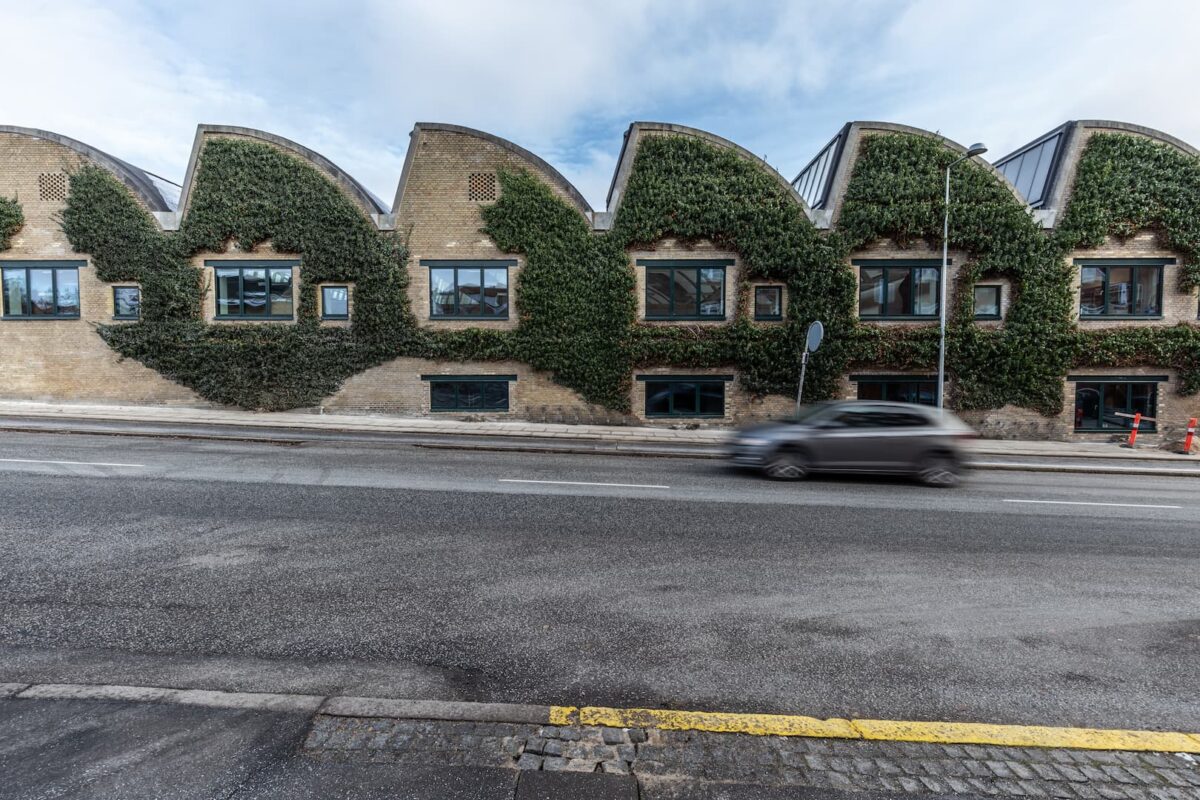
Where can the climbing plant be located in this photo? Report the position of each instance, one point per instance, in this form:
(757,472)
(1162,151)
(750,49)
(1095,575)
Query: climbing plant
(11,220)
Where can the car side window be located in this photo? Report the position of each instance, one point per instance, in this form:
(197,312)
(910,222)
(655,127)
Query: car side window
(901,419)
(856,419)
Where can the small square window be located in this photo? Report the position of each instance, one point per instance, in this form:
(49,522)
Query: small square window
(768,302)
(335,302)
(127,302)
(987,302)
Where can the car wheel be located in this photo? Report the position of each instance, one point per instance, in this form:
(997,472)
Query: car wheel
(787,466)
(940,470)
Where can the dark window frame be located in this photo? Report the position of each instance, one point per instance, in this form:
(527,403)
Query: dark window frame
(998,288)
(891,380)
(477,380)
(696,380)
(911,265)
(116,315)
(1135,265)
(777,287)
(685,265)
(324,306)
(456,265)
(1129,381)
(241,266)
(54,267)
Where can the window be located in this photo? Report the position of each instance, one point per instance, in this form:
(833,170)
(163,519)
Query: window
(1129,289)
(253,290)
(1109,405)
(127,302)
(685,398)
(987,302)
(35,290)
(468,289)
(685,289)
(335,302)
(897,291)
(468,394)
(768,302)
(900,389)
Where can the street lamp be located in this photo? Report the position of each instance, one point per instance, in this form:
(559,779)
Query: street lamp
(974,150)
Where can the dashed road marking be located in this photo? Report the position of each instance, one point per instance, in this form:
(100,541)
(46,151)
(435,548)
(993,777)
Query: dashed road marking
(68,463)
(1083,503)
(588,483)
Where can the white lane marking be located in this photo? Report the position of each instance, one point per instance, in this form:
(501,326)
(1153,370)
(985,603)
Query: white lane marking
(589,483)
(1081,503)
(71,463)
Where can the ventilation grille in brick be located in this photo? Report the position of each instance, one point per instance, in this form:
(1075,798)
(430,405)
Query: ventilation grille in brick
(481,187)
(53,186)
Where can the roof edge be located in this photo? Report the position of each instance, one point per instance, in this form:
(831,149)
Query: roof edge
(1129,127)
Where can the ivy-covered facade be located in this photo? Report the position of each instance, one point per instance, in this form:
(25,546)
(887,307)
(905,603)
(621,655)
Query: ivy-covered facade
(490,289)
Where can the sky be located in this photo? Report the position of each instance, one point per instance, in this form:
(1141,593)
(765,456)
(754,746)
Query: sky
(565,78)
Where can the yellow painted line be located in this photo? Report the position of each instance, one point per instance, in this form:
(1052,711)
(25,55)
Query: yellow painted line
(880,730)
(717,722)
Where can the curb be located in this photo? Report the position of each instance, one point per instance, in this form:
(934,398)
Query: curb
(646,718)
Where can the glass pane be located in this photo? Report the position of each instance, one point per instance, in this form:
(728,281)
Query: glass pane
(870,292)
(1144,397)
(281,292)
(67,288)
(469,292)
(470,395)
(1120,290)
(712,292)
(1148,280)
(254,292)
(15,292)
(495,395)
(441,282)
(127,301)
(925,301)
(927,393)
(229,299)
(658,292)
(1116,400)
(903,392)
(899,292)
(1091,291)
(441,395)
(712,398)
(658,398)
(768,302)
(495,293)
(685,293)
(335,301)
(870,390)
(987,301)
(1087,406)
(41,291)
(684,398)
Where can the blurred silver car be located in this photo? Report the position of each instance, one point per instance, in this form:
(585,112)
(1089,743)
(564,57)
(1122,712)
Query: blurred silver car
(858,436)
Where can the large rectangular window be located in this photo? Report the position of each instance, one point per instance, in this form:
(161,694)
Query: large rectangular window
(468,289)
(468,394)
(34,290)
(897,389)
(1108,405)
(253,290)
(685,397)
(897,291)
(1127,289)
(692,290)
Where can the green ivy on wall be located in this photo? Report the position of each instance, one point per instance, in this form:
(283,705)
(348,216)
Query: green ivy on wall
(11,220)
(575,297)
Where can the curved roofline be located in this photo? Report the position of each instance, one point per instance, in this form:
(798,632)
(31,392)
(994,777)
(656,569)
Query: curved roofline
(557,177)
(896,127)
(625,160)
(370,203)
(136,179)
(1130,127)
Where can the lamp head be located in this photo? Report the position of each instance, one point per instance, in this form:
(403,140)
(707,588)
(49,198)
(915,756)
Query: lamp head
(977,149)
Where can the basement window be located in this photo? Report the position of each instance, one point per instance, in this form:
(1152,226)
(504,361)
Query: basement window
(685,397)
(449,393)
(1105,405)
(916,389)
(41,290)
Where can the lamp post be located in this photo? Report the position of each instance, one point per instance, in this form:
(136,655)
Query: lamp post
(974,150)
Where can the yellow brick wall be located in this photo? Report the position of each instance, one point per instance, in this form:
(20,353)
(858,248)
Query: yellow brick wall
(1178,306)
(64,360)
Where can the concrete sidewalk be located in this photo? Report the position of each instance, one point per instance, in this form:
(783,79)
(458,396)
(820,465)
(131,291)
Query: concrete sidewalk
(611,434)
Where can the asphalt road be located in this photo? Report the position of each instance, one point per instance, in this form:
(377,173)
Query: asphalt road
(346,567)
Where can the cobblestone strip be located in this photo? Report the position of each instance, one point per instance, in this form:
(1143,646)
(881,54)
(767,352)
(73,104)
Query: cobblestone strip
(851,765)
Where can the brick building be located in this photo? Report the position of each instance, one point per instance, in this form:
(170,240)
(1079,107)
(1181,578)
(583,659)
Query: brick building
(459,279)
